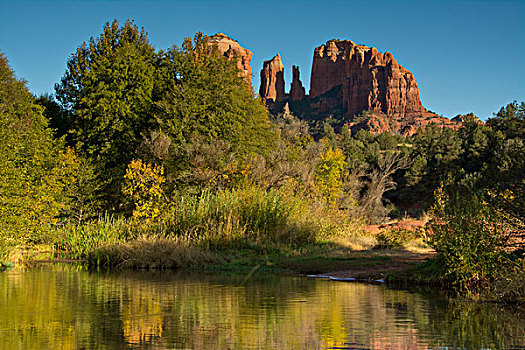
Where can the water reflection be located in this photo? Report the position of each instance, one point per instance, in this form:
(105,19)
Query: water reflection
(66,307)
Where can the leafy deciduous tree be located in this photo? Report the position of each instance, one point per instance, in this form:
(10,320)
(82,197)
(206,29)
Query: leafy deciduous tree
(107,91)
(206,96)
(37,173)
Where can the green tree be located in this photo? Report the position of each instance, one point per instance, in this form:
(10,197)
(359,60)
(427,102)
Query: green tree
(505,168)
(107,91)
(386,141)
(205,96)
(510,120)
(57,117)
(436,152)
(36,172)
(353,149)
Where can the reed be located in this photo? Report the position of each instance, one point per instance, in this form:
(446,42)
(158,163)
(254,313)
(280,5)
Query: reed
(229,215)
(79,241)
(203,229)
(151,253)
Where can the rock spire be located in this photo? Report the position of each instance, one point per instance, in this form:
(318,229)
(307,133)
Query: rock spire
(297,92)
(272,80)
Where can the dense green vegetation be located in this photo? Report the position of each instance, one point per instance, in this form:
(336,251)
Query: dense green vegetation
(168,159)
(38,173)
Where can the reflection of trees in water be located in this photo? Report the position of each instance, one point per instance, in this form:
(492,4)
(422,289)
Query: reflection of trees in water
(471,325)
(59,308)
(52,309)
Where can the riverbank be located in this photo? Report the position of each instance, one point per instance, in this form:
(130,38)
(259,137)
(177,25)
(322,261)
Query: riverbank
(363,253)
(399,267)
(334,262)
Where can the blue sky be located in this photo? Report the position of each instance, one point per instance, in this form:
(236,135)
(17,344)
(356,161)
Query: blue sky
(467,56)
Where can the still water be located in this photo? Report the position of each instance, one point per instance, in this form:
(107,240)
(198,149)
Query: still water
(67,307)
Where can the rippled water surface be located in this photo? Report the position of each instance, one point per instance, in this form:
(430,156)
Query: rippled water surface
(66,307)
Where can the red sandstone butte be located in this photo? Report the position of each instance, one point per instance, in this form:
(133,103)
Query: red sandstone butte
(231,48)
(297,92)
(406,126)
(272,80)
(369,80)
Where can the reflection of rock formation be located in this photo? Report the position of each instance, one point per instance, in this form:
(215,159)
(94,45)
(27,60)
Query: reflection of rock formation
(73,308)
(231,48)
(272,80)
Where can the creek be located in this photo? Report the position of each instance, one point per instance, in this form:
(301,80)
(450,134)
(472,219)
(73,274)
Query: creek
(65,306)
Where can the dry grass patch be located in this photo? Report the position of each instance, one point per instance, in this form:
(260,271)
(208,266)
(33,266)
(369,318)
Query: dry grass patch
(152,253)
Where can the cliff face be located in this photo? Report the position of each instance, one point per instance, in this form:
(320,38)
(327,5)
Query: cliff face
(231,48)
(346,80)
(272,81)
(369,80)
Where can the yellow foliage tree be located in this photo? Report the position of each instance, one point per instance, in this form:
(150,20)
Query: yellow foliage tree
(329,174)
(143,183)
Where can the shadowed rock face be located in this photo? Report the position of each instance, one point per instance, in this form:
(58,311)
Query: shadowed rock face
(369,80)
(231,48)
(297,92)
(272,81)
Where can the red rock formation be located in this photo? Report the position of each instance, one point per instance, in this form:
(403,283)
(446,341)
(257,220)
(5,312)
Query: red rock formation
(297,92)
(348,79)
(370,81)
(272,80)
(378,123)
(229,48)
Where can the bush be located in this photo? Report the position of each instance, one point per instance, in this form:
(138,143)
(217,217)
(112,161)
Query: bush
(394,239)
(470,235)
(143,183)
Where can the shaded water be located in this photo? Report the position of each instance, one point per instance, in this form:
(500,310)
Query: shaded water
(66,307)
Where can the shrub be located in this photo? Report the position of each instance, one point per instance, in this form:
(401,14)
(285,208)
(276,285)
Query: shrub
(143,183)
(470,235)
(394,239)
(509,285)
(5,248)
(329,174)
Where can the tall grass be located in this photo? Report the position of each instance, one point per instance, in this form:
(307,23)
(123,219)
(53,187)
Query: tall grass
(241,214)
(151,253)
(79,241)
(202,224)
